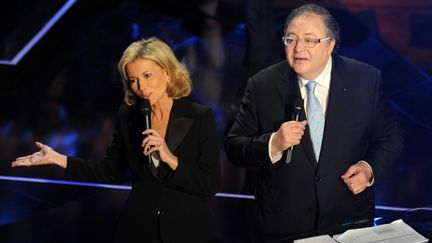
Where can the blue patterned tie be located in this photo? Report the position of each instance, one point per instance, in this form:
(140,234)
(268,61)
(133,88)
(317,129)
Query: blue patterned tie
(315,118)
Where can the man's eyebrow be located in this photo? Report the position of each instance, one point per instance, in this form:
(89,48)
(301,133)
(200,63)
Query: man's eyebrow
(310,33)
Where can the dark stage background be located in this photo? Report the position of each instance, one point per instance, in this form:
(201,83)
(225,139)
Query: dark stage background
(59,85)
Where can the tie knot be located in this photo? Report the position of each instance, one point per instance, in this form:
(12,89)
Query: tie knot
(310,86)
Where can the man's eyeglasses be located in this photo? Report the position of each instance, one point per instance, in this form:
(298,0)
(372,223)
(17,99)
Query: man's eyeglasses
(307,42)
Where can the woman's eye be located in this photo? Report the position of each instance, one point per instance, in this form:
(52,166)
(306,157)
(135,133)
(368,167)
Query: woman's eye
(131,81)
(147,75)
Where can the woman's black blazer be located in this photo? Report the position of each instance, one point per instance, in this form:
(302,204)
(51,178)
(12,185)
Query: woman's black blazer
(176,201)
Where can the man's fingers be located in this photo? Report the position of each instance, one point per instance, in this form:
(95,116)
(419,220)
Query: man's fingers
(350,172)
(354,183)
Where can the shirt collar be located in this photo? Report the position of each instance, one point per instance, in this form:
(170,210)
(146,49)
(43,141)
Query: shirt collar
(323,79)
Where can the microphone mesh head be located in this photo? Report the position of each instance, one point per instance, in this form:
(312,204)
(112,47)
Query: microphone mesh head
(145,107)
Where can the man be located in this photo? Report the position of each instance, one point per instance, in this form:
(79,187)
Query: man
(345,139)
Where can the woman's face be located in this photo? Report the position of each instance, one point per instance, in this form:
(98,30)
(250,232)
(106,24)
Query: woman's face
(147,79)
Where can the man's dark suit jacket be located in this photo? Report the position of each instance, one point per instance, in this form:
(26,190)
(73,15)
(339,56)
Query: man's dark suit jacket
(306,196)
(178,198)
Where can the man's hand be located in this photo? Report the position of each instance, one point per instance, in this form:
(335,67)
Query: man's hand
(289,134)
(357,177)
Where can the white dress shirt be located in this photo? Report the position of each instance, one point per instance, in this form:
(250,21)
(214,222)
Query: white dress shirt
(321,89)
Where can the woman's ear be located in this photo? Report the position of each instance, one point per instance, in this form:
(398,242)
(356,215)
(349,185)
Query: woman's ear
(168,78)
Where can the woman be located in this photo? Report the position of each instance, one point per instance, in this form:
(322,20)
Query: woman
(174,165)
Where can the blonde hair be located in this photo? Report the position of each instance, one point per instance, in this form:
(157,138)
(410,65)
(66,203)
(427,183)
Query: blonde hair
(179,84)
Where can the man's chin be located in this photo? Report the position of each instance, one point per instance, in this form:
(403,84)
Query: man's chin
(300,70)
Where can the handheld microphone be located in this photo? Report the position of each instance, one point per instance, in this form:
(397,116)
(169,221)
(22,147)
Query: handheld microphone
(298,107)
(145,111)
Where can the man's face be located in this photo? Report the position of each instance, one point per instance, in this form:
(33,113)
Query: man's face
(308,62)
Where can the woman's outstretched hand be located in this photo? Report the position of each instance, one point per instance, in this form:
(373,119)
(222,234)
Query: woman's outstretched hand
(45,156)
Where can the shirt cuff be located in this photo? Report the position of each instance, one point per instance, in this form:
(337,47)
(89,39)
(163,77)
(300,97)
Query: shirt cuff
(278,155)
(370,183)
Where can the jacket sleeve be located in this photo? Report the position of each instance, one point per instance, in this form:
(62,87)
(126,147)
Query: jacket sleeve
(245,145)
(203,176)
(108,170)
(386,137)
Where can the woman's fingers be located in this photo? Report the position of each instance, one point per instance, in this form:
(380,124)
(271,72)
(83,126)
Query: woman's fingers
(152,146)
(36,158)
(39,144)
(22,158)
(152,149)
(44,148)
(151,132)
(23,161)
(154,142)
(151,139)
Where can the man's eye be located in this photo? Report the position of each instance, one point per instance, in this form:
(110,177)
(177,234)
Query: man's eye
(309,41)
(131,81)
(290,41)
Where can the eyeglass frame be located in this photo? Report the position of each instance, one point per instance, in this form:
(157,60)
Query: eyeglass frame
(315,41)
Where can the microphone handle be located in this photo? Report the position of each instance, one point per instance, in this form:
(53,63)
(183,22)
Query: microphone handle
(290,150)
(148,126)
(147,121)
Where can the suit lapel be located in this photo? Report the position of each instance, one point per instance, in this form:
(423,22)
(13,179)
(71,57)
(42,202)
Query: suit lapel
(337,106)
(306,143)
(178,125)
